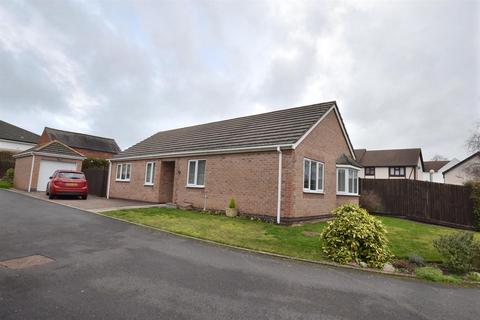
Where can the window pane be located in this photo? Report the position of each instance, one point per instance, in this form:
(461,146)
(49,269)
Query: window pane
(152,178)
(191,172)
(148,173)
(128,171)
(341,180)
(306,174)
(313,175)
(124,169)
(119,171)
(355,181)
(350,180)
(402,171)
(320,176)
(201,172)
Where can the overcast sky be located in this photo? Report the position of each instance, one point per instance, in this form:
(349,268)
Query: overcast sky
(404,74)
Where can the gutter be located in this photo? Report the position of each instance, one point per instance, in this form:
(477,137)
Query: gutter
(108,179)
(31,173)
(279,191)
(202,152)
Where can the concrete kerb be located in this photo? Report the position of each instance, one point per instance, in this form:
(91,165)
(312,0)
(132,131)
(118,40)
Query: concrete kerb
(220,244)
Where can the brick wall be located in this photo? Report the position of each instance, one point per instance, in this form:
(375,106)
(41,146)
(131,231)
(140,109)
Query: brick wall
(325,143)
(22,173)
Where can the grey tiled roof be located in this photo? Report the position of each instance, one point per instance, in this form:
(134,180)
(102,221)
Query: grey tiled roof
(10,132)
(346,160)
(83,141)
(53,147)
(280,127)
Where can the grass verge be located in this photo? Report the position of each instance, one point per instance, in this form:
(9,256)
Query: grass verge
(5,184)
(436,275)
(406,237)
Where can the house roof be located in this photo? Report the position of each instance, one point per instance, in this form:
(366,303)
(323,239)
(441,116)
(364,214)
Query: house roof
(476,154)
(434,165)
(346,160)
(10,132)
(55,148)
(388,158)
(83,141)
(277,128)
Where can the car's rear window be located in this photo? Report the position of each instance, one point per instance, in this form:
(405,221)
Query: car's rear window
(71,175)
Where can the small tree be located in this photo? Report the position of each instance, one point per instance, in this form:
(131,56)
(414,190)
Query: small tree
(459,250)
(94,163)
(439,157)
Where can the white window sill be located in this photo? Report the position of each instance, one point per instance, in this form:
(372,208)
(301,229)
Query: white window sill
(117,180)
(313,191)
(148,184)
(347,194)
(194,186)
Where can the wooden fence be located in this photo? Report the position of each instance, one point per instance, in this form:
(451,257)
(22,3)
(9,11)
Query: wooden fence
(97,181)
(436,203)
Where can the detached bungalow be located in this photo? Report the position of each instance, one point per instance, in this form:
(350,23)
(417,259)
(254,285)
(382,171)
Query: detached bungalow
(289,165)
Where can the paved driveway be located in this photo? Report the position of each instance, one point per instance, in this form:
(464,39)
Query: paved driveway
(107,269)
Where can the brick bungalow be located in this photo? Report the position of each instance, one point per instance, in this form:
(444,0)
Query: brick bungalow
(88,145)
(306,148)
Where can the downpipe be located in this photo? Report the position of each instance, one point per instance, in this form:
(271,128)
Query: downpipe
(279,191)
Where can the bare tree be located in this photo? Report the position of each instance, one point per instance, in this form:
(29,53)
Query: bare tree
(473,142)
(439,157)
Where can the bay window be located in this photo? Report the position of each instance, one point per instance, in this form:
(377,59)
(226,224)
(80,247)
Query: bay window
(347,181)
(313,175)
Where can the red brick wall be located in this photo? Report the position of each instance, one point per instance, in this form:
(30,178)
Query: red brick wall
(325,143)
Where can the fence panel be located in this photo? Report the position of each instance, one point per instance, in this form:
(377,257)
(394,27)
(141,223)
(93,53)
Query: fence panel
(436,203)
(97,181)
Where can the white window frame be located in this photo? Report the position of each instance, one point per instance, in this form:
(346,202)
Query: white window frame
(151,179)
(348,170)
(317,190)
(195,184)
(128,172)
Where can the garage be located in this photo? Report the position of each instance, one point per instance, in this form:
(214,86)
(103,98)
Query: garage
(48,167)
(33,167)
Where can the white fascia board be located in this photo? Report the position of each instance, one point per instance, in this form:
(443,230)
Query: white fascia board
(340,121)
(203,152)
(52,155)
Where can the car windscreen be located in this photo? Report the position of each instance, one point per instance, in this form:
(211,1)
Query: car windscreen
(71,175)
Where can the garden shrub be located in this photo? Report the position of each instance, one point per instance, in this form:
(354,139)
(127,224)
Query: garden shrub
(94,163)
(371,201)
(416,259)
(474,276)
(232,204)
(435,274)
(9,175)
(459,250)
(475,196)
(355,236)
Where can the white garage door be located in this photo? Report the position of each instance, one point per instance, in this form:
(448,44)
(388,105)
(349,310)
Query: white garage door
(47,168)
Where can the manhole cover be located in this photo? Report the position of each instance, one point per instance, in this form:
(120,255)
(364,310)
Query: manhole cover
(25,262)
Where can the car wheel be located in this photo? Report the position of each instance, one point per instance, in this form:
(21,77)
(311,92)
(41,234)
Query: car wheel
(46,190)
(51,196)
(84,197)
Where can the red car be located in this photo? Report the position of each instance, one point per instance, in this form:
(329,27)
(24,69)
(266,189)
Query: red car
(65,182)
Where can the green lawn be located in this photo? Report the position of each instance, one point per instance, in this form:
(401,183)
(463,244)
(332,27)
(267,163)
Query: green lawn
(406,237)
(5,184)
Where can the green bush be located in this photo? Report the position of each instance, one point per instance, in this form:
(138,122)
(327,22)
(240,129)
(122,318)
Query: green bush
(232,204)
(94,163)
(435,274)
(9,175)
(474,276)
(458,250)
(416,259)
(355,236)
(475,196)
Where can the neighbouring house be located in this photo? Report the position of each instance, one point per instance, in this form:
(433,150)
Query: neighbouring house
(433,170)
(391,163)
(290,165)
(464,171)
(34,166)
(88,145)
(14,139)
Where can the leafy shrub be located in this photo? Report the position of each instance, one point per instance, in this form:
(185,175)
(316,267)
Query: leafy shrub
(371,201)
(9,175)
(416,259)
(474,276)
(475,196)
(355,236)
(94,163)
(458,250)
(232,204)
(435,274)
